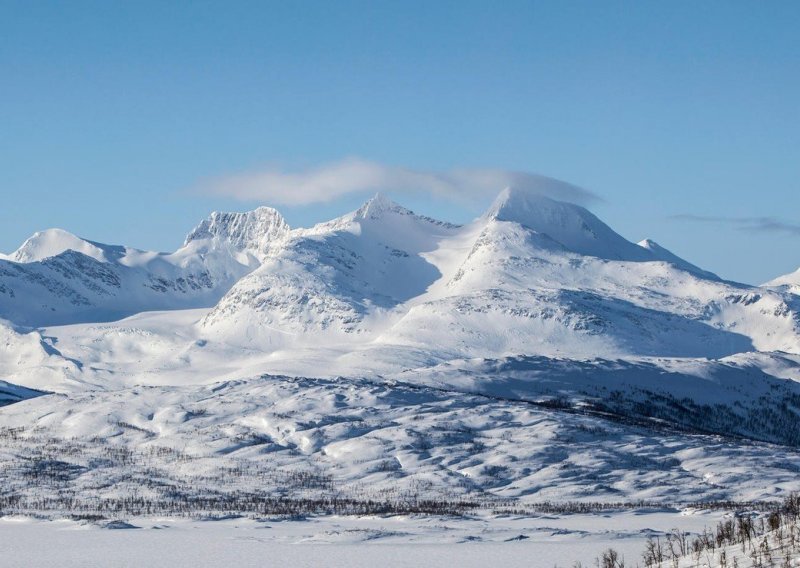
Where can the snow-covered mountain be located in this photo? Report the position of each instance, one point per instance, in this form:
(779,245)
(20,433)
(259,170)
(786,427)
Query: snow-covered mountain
(383,289)
(52,242)
(531,276)
(343,277)
(790,282)
(58,278)
(535,304)
(246,236)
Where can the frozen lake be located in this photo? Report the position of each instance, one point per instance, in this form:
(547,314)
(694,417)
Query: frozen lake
(341,542)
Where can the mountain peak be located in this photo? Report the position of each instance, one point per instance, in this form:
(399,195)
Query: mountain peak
(52,242)
(378,206)
(249,230)
(792,279)
(573,226)
(520,205)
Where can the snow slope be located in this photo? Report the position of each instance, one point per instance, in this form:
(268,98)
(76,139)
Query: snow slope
(660,253)
(790,281)
(52,242)
(9,394)
(570,225)
(359,439)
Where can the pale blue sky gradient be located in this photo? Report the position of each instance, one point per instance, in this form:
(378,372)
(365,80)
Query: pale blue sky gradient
(112,113)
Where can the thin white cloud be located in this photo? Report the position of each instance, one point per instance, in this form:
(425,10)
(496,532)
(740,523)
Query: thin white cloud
(749,224)
(353,175)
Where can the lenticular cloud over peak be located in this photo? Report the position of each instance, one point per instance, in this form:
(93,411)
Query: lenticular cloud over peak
(355,175)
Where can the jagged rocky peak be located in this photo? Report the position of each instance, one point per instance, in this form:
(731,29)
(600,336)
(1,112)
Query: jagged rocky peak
(573,226)
(52,242)
(252,230)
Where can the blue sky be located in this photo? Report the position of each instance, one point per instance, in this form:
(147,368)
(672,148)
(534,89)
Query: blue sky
(684,117)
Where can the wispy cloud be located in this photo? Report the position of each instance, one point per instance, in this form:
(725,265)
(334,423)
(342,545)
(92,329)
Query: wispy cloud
(749,224)
(353,175)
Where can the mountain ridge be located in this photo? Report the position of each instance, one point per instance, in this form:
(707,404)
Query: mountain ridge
(536,301)
(380,256)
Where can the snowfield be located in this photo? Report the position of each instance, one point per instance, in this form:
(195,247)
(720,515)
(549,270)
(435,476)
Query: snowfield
(385,369)
(343,542)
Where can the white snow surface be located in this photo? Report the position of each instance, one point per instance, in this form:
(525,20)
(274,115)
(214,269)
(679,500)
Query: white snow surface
(345,542)
(668,256)
(52,242)
(790,282)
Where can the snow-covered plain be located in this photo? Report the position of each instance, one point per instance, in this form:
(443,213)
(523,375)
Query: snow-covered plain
(532,355)
(344,542)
